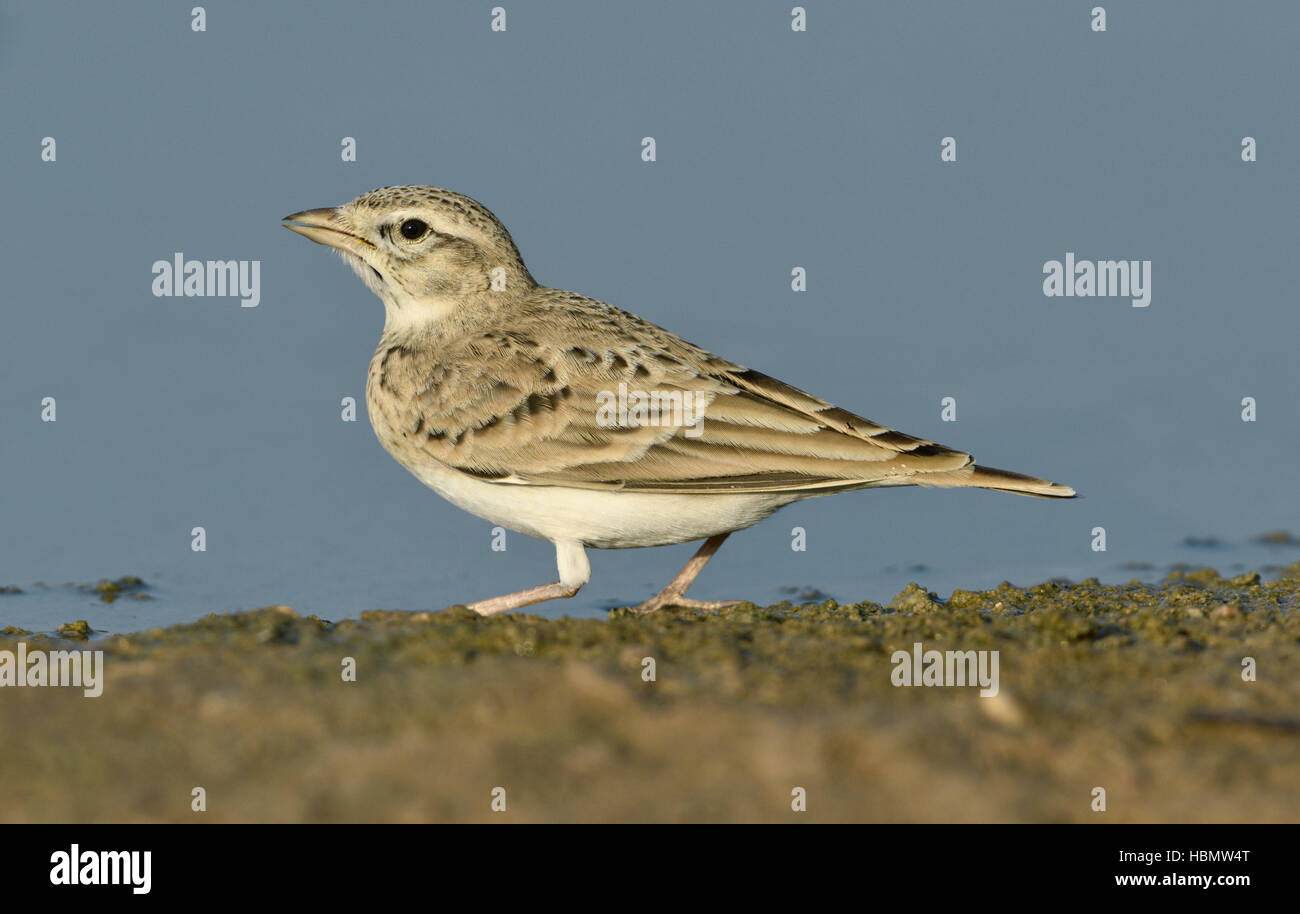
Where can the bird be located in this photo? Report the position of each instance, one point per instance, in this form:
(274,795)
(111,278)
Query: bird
(565,418)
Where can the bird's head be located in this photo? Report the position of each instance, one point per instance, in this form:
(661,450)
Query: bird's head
(424,251)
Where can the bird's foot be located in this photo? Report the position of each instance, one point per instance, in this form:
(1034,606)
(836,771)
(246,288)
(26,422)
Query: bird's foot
(673,599)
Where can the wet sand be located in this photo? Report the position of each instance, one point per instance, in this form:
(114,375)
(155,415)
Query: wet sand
(1136,689)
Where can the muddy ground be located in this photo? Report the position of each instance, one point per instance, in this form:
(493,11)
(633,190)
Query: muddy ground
(1136,689)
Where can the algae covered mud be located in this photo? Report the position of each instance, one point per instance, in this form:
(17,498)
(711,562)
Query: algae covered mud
(1171,702)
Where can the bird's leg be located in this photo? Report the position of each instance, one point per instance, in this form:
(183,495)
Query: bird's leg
(507,602)
(575,571)
(673,594)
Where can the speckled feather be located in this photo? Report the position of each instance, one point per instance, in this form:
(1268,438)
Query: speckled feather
(512,397)
(494,391)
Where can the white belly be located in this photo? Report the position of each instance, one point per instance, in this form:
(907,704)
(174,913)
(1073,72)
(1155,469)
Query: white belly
(604,520)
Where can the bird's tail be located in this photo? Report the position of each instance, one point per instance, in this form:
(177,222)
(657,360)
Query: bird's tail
(997,480)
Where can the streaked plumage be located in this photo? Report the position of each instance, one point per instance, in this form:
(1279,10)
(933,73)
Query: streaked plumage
(492,398)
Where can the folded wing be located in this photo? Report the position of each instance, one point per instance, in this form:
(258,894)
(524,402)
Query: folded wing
(507,405)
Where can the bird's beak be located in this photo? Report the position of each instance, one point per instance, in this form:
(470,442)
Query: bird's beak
(322,226)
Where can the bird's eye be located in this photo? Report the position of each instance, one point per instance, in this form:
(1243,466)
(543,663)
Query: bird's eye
(412,229)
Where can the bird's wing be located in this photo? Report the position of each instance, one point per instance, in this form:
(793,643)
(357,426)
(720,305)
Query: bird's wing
(508,406)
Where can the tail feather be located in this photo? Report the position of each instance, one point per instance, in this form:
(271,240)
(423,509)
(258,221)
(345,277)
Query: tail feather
(998,481)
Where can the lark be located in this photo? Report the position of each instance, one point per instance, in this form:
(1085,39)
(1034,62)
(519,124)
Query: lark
(496,392)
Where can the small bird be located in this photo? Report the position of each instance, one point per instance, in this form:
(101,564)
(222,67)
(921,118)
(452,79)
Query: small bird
(568,419)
